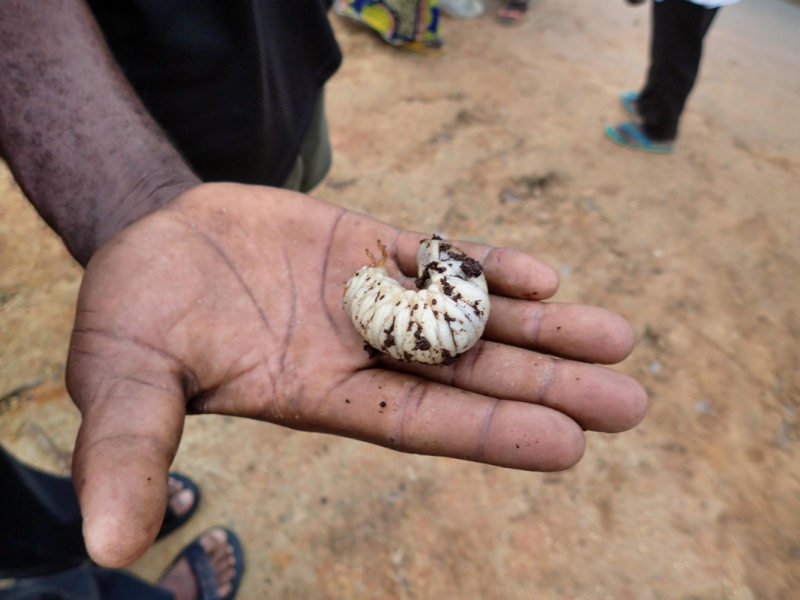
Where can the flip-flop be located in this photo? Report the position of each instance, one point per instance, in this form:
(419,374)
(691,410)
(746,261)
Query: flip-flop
(628,100)
(171,520)
(203,570)
(513,13)
(631,136)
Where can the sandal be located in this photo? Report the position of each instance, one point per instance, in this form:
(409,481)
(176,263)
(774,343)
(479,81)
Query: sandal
(628,100)
(434,47)
(513,13)
(203,570)
(172,520)
(631,136)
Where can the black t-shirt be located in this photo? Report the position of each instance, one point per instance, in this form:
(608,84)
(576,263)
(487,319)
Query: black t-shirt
(232,82)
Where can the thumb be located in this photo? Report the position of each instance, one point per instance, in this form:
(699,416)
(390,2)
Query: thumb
(129,435)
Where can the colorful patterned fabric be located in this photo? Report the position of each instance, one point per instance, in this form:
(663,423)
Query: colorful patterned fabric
(397,21)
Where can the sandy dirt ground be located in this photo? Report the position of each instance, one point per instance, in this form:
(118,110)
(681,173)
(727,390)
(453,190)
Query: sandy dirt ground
(500,140)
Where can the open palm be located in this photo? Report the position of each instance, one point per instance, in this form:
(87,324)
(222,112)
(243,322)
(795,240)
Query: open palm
(229,300)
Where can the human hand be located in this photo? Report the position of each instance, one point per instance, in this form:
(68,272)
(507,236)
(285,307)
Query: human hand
(229,301)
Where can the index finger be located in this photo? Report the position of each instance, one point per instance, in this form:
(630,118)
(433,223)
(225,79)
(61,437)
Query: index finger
(508,272)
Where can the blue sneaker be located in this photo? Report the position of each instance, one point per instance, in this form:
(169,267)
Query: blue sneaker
(631,136)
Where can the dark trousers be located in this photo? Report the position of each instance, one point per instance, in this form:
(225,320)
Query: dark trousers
(40,521)
(676,47)
(87,582)
(41,543)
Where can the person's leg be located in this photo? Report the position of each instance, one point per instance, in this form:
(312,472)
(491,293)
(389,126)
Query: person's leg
(679,27)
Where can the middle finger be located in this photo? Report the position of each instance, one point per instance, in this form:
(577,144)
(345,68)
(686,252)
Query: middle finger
(595,397)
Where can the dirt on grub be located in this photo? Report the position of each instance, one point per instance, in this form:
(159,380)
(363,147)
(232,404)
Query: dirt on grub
(500,140)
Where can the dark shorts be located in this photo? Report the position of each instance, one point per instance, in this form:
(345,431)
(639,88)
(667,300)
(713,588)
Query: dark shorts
(315,157)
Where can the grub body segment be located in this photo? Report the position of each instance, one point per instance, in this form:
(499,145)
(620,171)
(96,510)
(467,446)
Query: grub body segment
(434,325)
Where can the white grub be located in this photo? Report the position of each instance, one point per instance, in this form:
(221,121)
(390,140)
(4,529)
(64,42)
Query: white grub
(433,325)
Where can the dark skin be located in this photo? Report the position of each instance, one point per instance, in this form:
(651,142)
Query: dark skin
(80,144)
(226,299)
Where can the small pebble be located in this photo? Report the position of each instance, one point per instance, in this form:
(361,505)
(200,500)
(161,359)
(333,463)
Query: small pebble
(783,435)
(703,407)
(654,367)
(509,197)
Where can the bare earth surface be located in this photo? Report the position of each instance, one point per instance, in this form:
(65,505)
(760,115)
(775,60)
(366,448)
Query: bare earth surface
(500,140)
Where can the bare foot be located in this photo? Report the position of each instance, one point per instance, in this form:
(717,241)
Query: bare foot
(180,499)
(512,13)
(180,580)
